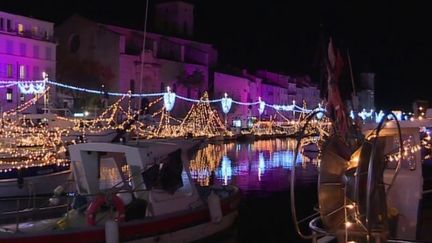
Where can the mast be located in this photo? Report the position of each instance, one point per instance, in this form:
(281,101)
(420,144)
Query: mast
(354,94)
(143,52)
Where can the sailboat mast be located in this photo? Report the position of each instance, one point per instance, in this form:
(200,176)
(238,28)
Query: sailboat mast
(354,97)
(351,73)
(143,52)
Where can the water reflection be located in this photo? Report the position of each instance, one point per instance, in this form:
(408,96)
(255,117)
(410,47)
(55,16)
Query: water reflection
(261,165)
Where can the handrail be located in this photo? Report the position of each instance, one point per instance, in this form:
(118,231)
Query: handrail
(292,181)
(371,166)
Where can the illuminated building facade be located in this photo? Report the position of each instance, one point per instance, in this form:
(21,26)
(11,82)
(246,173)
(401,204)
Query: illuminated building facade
(113,55)
(273,88)
(27,49)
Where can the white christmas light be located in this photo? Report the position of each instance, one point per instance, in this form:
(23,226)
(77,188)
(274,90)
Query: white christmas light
(31,87)
(226,104)
(169,99)
(261,106)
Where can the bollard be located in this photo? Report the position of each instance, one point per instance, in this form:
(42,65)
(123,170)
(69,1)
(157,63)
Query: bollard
(111,231)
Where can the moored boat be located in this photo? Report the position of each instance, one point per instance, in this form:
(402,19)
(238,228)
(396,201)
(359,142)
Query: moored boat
(151,197)
(373,191)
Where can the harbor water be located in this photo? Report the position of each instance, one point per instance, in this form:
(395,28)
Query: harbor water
(261,169)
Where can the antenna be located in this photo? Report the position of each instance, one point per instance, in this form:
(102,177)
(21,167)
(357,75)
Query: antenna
(142,64)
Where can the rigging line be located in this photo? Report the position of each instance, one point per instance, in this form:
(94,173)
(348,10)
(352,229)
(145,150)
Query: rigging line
(143,50)
(351,72)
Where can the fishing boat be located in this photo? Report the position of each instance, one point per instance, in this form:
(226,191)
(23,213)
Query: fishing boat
(137,192)
(246,136)
(31,181)
(71,129)
(33,160)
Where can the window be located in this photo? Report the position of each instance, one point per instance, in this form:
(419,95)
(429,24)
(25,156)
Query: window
(23,49)
(35,30)
(9,47)
(162,87)
(9,25)
(9,95)
(36,51)
(22,71)
(9,70)
(132,86)
(22,97)
(20,29)
(1,24)
(74,43)
(36,73)
(48,53)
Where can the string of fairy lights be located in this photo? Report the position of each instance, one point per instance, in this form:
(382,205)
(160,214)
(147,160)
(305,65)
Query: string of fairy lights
(39,86)
(201,120)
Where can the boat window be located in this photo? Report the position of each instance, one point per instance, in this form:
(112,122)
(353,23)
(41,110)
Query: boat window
(80,177)
(166,176)
(113,171)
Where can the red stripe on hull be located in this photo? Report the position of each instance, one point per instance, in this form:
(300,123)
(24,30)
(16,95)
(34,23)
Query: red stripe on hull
(130,230)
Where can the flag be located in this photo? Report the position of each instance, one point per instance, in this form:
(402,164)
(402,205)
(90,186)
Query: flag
(335,105)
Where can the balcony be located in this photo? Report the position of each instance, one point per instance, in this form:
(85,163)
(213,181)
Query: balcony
(29,34)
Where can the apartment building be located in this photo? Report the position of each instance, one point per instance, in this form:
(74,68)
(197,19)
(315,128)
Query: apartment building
(27,49)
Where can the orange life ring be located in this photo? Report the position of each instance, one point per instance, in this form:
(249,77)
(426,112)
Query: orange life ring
(98,202)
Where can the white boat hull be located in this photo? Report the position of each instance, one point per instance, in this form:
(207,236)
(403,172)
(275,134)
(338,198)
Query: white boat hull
(102,137)
(35,185)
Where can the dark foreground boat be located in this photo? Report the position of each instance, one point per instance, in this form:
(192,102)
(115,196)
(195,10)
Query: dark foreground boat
(373,192)
(150,196)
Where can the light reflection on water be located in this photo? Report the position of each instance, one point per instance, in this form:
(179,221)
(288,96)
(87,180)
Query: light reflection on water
(263,165)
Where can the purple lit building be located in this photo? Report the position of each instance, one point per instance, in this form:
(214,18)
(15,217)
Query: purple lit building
(299,88)
(273,88)
(242,87)
(91,54)
(26,50)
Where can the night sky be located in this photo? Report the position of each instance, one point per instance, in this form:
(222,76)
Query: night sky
(389,38)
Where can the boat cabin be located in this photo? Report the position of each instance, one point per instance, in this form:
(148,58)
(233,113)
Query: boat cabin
(156,172)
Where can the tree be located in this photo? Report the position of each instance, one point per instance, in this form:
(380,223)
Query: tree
(84,73)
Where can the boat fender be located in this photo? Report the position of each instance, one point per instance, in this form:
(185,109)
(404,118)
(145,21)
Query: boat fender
(111,231)
(125,196)
(101,200)
(69,218)
(215,208)
(58,191)
(54,201)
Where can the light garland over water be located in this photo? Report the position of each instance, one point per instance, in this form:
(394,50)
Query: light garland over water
(39,87)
